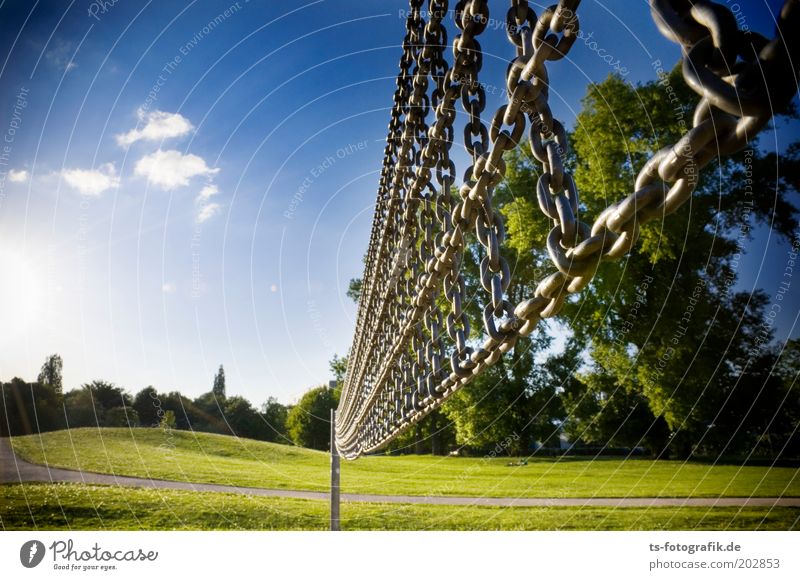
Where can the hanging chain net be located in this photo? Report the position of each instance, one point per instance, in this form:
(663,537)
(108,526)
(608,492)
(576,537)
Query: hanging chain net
(413,346)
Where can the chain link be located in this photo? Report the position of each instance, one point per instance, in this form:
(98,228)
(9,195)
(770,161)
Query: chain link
(396,374)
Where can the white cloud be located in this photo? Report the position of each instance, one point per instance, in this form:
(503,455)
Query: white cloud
(171,169)
(92,181)
(168,288)
(18,175)
(158,126)
(273,288)
(207,212)
(62,55)
(208,191)
(206,209)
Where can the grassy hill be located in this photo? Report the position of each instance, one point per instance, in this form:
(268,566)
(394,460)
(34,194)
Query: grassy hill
(209,458)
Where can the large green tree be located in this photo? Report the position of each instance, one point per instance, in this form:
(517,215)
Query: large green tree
(671,348)
(28,408)
(274,416)
(309,421)
(219,383)
(51,373)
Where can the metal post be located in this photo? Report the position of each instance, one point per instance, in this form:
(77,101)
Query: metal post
(334,476)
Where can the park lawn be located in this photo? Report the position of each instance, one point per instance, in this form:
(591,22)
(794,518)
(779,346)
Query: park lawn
(222,459)
(93,507)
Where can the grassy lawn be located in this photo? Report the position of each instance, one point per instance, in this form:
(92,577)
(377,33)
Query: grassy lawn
(87,507)
(201,457)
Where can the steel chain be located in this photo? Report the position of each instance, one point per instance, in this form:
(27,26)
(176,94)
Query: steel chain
(741,77)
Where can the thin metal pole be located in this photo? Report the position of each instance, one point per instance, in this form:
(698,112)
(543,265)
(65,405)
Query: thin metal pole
(334,476)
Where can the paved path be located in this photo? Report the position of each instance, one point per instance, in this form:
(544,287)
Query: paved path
(14,469)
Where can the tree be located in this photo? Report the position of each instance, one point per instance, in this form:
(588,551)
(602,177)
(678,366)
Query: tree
(308,422)
(219,383)
(274,416)
(187,415)
(81,409)
(51,373)
(354,289)
(168,420)
(210,413)
(27,408)
(668,343)
(146,404)
(513,401)
(121,417)
(242,419)
(338,366)
(100,404)
(108,395)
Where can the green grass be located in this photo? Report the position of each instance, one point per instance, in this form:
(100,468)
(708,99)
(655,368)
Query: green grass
(201,457)
(89,507)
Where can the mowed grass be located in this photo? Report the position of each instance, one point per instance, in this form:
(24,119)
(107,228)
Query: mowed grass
(221,459)
(89,507)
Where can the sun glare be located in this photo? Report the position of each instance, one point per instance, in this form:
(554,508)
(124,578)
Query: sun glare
(21,292)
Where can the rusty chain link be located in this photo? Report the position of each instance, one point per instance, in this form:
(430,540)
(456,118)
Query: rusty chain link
(396,371)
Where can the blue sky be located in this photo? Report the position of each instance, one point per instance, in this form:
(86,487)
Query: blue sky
(190,184)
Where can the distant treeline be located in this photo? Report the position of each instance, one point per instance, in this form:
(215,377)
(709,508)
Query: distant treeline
(34,407)
(487,419)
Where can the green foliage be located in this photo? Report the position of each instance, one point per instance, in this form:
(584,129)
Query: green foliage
(309,422)
(274,416)
(208,413)
(672,358)
(146,407)
(242,419)
(354,289)
(51,374)
(513,404)
(435,434)
(100,404)
(81,410)
(108,395)
(29,408)
(219,383)
(338,366)
(168,420)
(121,417)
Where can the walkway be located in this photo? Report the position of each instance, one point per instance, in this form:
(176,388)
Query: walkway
(14,469)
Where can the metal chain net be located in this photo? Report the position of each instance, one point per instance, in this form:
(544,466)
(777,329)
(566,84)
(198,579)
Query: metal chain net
(407,356)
